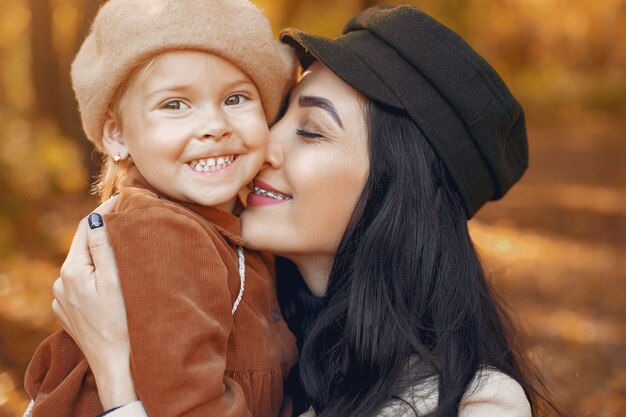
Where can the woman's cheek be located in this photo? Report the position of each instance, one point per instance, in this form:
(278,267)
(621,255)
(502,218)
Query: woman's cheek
(328,201)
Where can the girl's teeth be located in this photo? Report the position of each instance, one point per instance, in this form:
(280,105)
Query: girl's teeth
(212,164)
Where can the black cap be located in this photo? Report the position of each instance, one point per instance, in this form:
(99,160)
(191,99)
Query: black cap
(402,57)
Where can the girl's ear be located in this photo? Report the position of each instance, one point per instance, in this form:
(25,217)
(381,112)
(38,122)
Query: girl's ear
(112,139)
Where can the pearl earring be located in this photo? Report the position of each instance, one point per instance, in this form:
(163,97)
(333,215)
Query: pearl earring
(117,158)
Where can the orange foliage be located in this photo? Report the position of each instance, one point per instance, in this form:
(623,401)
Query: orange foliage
(555,246)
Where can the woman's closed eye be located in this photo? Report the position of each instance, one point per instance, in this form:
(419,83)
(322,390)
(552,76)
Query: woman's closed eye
(308,134)
(175,105)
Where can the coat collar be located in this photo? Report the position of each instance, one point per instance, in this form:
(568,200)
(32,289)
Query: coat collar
(226,223)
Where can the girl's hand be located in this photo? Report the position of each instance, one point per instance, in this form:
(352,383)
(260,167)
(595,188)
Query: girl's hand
(88,302)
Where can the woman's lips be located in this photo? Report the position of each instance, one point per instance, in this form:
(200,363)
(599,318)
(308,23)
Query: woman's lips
(265,195)
(267,187)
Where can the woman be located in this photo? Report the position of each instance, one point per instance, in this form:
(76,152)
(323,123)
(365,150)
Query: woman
(394,137)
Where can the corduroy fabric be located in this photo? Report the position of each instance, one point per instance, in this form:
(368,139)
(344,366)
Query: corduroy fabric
(126,33)
(189,355)
(403,58)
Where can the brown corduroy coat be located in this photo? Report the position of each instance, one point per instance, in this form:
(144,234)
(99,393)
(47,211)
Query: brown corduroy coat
(189,355)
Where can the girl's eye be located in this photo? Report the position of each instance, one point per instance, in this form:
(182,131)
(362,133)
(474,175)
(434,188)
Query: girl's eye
(175,105)
(235,99)
(307,134)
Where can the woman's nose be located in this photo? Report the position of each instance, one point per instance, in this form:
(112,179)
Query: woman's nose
(213,124)
(275,150)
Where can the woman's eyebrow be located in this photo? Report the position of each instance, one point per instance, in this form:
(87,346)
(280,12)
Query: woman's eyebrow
(322,103)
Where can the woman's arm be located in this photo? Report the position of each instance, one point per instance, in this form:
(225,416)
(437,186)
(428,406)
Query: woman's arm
(88,302)
(134,409)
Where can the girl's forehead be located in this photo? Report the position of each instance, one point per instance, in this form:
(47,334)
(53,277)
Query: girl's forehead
(189,70)
(186,68)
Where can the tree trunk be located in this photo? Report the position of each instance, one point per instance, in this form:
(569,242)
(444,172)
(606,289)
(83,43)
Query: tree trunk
(615,41)
(71,123)
(3,97)
(45,69)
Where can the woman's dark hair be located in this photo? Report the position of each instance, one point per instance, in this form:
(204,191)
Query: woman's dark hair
(406,283)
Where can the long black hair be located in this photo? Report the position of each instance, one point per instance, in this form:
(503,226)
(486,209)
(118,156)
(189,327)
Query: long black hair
(406,283)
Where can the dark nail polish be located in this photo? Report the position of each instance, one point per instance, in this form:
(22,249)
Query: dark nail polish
(95,221)
(276,316)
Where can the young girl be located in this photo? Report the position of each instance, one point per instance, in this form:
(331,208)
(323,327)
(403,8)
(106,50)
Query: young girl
(177,94)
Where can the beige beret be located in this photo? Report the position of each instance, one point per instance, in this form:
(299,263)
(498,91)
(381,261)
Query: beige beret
(126,33)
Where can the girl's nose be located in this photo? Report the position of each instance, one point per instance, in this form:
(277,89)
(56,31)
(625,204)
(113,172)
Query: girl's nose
(213,124)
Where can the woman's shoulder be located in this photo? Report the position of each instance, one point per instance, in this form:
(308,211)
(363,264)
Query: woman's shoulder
(492,393)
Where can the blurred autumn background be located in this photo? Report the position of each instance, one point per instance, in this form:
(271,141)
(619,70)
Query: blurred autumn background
(554,246)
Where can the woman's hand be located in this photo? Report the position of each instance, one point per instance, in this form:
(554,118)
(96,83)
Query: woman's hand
(88,302)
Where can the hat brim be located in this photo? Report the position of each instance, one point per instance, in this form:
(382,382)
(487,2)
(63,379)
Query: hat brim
(338,57)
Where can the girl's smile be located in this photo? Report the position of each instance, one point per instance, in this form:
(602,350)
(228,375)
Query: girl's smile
(193,125)
(212,164)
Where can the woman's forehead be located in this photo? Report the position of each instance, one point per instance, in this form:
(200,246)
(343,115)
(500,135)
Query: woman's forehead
(319,81)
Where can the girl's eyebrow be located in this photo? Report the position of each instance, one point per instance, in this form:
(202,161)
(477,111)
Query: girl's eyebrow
(183,87)
(166,88)
(322,103)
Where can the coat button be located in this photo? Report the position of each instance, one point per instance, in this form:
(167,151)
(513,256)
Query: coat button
(276,316)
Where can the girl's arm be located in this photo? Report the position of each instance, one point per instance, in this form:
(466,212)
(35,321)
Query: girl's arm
(88,302)
(90,306)
(178,299)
